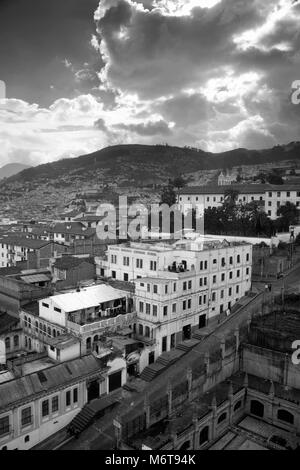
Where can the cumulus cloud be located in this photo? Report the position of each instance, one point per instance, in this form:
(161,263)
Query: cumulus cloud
(210,73)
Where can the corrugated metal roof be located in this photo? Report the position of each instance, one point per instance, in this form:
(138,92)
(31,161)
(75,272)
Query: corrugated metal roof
(87,298)
(49,379)
(35,278)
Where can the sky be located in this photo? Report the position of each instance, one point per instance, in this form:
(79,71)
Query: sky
(81,75)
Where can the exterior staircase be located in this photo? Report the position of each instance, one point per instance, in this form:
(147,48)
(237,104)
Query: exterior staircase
(82,420)
(152,371)
(90,412)
(187,345)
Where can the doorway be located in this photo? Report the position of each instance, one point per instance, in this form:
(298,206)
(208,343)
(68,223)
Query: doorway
(186,333)
(151,357)
(115,381)
(202,321)
(93,390)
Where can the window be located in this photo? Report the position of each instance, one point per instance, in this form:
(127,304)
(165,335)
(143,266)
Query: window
(141,330)
(213,297)
(257,408)
(201,282)
(45,305)
(222,294)
(231,260)
(284,415)
(201,265)
(184,305)
(154,310)
(203,437)
(55,404)
(238,273)
(27,439)
(45,408)
(16,341)
(141,307)
(155,289)
(148,307)
(26,417)
(237,289)
(184,286)
(114,259)
(223,262)
(126,277)
(4,425)
(7,344)
(248,257)
(205,281)
(204,299)
(75,395)
(153,265)
(237,406)
(200,300)
(278,194)
(125,261)
(174,308)
(205,265)
(247,271)
(165,310)
(139,263)
(68,398)
(214,279)
(222,418)
(56,309)
(230,291)
(215,261)
(230,275)
(148,287)
(190,285)
(174,287)
(147,332)
(223,277)
(238,258)
(166,288)
(189,303)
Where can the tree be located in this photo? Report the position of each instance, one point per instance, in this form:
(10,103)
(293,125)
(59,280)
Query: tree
(178,182)
(288,215)
(274,178)
(231,196)
(168,195)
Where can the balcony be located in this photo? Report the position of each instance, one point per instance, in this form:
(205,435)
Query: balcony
(93,325)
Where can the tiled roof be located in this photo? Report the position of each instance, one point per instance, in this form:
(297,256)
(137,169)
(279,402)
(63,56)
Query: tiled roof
(43,382)
(242,188)
(24,242)
(69,262)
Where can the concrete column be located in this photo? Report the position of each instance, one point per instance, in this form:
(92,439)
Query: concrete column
(207,362)
(286,369)
(223,347)
(170,397)
(189,377)
(147,410)
(230,398)
(214,420)
(118,430)
(237,339)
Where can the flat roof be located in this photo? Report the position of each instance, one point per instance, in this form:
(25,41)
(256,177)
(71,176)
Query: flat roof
(87,297)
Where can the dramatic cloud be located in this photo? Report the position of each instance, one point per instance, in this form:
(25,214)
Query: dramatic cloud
(210,73)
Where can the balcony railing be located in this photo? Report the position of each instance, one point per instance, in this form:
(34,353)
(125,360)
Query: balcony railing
(120,321)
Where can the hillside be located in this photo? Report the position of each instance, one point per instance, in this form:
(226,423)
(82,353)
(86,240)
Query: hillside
(139,163)
(11,169)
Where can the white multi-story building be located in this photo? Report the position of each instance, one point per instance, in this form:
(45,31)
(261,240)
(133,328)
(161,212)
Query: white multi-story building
(180,286)
(270,197)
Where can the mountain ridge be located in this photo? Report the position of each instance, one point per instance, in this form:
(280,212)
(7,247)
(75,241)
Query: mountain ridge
(135,161)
